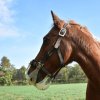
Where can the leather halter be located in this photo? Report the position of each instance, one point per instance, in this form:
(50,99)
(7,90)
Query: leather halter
(55,48)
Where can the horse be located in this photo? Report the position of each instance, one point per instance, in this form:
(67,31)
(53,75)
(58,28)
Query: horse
(64,43)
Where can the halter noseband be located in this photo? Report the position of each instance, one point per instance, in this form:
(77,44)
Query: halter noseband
(40,64)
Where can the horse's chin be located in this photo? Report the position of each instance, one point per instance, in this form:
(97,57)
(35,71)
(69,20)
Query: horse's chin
(44,84)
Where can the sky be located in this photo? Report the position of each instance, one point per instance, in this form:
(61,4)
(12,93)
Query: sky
(23,23)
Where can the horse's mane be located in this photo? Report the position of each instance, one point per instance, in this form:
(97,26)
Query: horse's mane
(87,34)
(99,43)
(83,28)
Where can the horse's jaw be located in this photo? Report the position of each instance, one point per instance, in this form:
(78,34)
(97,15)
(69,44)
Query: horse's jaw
(44,84)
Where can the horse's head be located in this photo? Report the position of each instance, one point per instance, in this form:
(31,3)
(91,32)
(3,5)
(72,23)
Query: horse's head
(55,52)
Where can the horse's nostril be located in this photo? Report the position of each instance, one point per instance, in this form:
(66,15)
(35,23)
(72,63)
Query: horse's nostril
(31,79)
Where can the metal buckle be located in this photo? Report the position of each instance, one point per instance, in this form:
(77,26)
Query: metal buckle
(62,32)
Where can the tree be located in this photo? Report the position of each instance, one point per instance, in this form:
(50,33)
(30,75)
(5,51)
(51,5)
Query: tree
(22,73)
(19,77)
(61,76)
(6,78)
(5,62)
(71,74)
(76,74)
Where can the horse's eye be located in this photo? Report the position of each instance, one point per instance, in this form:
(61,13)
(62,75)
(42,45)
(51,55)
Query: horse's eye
(45,41)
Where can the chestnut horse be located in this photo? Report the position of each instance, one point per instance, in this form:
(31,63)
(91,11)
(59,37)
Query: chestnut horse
(64,43)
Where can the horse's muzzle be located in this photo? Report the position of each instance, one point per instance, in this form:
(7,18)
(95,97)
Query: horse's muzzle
(43,84)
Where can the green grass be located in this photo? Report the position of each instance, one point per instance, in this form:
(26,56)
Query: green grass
(54,92)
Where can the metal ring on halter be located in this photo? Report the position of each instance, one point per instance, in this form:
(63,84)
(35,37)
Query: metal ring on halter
(62,32)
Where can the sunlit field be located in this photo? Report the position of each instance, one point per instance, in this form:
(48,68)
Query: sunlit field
(55,92)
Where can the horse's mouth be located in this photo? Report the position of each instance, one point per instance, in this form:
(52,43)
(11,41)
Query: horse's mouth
(42,85)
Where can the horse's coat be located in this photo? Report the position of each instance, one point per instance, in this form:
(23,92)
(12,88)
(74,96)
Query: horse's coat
(77,45)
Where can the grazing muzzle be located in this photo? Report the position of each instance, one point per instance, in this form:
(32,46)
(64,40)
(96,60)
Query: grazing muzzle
(39,65)
(35,75)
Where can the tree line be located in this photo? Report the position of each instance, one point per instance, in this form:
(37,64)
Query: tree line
(9,75)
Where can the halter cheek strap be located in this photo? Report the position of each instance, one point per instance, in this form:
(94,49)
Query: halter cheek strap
(62,33)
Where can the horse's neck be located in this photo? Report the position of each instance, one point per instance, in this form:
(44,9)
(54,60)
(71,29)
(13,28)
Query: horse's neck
(91,67)
(92,70)
(89,59)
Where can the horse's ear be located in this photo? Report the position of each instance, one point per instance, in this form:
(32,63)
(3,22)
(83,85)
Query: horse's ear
(57,21)
(54,17)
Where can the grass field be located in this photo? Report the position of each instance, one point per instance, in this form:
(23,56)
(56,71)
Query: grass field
(55,92)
